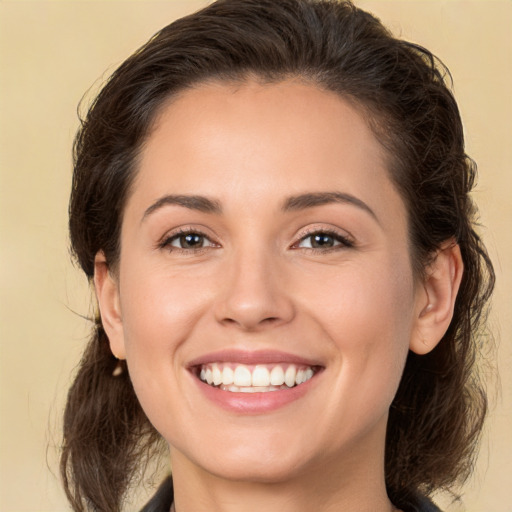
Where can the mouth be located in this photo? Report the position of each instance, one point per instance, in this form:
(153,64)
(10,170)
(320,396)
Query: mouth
(254,378)
(254,382)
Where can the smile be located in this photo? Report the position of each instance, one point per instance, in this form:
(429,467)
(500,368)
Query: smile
(259,378)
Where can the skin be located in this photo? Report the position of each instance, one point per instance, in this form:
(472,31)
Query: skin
(256,284)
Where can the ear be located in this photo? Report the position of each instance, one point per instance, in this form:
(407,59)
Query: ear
(435,299)
(107,293)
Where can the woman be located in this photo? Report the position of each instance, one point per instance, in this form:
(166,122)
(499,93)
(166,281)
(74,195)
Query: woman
(271,199)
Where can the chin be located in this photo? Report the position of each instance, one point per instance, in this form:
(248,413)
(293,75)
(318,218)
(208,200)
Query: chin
(261,469)
(257,462)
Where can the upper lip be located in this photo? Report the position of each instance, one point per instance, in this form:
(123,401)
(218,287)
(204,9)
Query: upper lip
(252,357)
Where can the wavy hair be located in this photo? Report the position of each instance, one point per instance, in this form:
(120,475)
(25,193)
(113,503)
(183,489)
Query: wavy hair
(401,88)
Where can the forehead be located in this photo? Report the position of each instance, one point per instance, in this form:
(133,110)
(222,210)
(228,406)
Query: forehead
(251,141)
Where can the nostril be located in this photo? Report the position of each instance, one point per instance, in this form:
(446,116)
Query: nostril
(251,325)
(252,308)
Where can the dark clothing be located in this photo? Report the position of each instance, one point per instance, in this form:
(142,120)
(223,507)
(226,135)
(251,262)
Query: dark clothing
(162,501)
(163,498)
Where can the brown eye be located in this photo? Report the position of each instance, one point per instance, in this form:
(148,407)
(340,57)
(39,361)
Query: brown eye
(188,241)
(324,240)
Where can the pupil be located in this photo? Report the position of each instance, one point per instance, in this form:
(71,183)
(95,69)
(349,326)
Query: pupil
(322,241)
(191,240)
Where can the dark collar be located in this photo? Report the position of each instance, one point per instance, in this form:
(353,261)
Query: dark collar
(164,496)
(162,499)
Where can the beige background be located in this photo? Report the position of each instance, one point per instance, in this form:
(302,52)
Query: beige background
(50,54)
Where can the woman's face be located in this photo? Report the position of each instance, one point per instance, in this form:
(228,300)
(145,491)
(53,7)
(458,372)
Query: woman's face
(264,244)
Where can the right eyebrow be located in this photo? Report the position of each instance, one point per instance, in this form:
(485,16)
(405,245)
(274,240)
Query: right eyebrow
(312,199)
(193,202)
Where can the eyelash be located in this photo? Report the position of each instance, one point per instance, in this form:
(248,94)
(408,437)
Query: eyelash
(167,241)
(344,241)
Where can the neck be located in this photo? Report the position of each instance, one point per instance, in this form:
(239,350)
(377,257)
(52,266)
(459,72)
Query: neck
(357,485)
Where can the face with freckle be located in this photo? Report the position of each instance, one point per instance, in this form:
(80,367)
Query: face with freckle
(263,218)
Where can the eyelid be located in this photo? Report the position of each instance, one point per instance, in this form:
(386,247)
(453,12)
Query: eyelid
(346,240)
(165,241)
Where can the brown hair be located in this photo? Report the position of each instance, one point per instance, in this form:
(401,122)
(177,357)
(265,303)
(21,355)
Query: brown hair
(437,415)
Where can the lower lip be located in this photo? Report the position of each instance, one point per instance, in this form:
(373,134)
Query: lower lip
(254,403)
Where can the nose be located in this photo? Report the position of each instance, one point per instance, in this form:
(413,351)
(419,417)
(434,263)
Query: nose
(253,294)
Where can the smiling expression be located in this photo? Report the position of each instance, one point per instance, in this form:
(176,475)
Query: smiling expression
(264,295)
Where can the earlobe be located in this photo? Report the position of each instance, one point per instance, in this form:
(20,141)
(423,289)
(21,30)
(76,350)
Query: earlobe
(436,298)
(107,294)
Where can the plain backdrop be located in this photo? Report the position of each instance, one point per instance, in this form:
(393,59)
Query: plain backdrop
(51,53)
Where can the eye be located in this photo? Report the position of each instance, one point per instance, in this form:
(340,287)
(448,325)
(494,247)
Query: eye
(187,241)
(326,240)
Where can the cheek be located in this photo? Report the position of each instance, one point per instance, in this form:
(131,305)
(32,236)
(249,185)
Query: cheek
(367,313)
(358,300)
(159,311)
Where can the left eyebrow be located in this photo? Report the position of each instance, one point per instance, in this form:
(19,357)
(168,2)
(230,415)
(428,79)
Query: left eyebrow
(192,202)
(312,199)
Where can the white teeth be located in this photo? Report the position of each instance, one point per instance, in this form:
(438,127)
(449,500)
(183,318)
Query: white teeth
(242,376)
(252,389)
(248,390)
(289,376)
(227,376)
(260,376)
(277,376)
(254,379)
(216,375)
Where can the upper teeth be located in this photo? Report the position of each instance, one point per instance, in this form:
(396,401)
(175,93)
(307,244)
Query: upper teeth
(260,375)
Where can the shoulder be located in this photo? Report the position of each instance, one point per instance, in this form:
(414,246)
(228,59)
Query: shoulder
(162,499)
(421,504)
(425,505)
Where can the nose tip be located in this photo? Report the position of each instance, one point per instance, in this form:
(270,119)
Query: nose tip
(254,299)
(249,318)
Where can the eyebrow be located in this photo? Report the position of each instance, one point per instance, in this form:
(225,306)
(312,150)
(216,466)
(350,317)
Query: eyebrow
(294,203)
(312,199)
(193,202)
